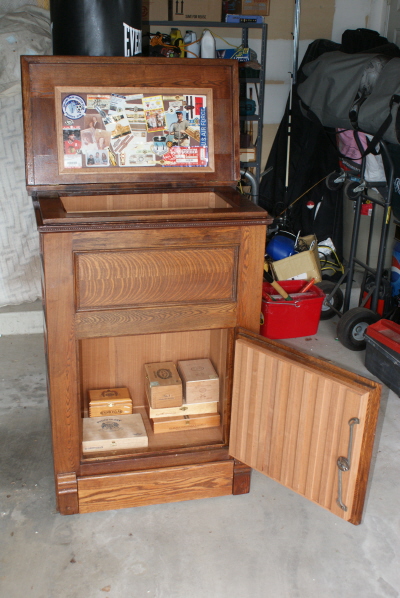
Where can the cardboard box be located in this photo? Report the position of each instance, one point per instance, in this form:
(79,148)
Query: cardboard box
(155,10)
(200,381)
(301,266)
(195,10)
(185,409)
(185,422)
(248,154)
(109,401)
(113,432)
(163,385)
(245,7)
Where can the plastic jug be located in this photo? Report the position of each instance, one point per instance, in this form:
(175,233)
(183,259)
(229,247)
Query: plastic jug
(193,50)
(208,47)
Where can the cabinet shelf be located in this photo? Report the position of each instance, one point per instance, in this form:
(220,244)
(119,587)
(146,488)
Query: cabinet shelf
(207,24)
(181,441)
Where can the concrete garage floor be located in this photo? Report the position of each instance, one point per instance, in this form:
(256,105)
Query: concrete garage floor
(270,543)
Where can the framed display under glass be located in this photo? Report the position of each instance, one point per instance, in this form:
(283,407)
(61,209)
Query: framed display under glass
(134,129)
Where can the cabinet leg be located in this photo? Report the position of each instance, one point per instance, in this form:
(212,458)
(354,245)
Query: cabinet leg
(67,493)
(241,478)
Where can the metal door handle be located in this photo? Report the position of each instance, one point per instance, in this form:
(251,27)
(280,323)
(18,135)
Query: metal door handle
(344,463)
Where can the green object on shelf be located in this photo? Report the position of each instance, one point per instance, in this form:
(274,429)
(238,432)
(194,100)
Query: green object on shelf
(248,73)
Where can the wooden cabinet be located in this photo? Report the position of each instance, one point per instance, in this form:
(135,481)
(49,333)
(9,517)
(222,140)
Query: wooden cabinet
(164,263)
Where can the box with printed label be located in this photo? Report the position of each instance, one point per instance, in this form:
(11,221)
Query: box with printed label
(109,401)
(195,10)
(113,432)
(200,380)
(163,385)
(184,409)
(185,422)
(155,10)
(245,7)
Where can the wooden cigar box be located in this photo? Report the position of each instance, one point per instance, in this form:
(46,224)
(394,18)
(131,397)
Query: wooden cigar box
(109,401)
(185,422)
(163,385)
(184,409)
(113,432)
(200,381)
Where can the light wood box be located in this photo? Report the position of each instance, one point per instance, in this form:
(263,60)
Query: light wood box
(163,385)
(185,422)
(184,409)
(109,401)
(200,380)
(113,432)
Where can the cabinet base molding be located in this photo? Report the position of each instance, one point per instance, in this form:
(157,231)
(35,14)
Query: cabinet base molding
(67,493)
(241,478)
(170,484)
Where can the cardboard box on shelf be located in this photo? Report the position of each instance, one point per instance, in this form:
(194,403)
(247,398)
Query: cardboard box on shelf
(195,10)
(248,154)
(155,10)
(304,265)
(245,7)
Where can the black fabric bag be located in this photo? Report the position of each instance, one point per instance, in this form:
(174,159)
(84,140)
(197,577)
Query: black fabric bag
(313,152)
(354,91)
(312,158)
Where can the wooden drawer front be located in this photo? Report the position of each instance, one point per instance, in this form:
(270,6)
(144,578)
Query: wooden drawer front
(152,277)
(170,484)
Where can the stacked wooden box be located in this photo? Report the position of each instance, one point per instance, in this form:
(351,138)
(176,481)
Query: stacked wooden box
(182,398)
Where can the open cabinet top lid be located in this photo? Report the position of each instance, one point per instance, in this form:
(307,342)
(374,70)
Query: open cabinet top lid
(110,122)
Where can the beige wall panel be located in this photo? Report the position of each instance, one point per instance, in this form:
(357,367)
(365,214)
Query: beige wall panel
(316,19)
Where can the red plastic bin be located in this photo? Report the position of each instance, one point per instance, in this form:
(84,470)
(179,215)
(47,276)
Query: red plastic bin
(291,319)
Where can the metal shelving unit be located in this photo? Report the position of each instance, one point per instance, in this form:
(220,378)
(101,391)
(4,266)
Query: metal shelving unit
(259,82)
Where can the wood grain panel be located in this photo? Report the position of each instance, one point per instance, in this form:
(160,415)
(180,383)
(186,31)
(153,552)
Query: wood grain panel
(153,277)
(62,352)
(154,319)
(162,238)
(290,421)
(172,484)
(250,276)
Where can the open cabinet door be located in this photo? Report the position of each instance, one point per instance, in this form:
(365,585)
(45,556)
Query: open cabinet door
(304,422)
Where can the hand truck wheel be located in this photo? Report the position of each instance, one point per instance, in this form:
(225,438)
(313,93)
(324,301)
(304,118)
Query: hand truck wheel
(352,326)
(330,309)
(335,180)
(352,190)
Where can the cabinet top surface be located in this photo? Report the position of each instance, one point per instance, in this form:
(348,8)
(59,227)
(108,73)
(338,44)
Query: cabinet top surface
(96,122)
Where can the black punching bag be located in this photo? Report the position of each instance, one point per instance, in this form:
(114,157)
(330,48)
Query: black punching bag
(96,27)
